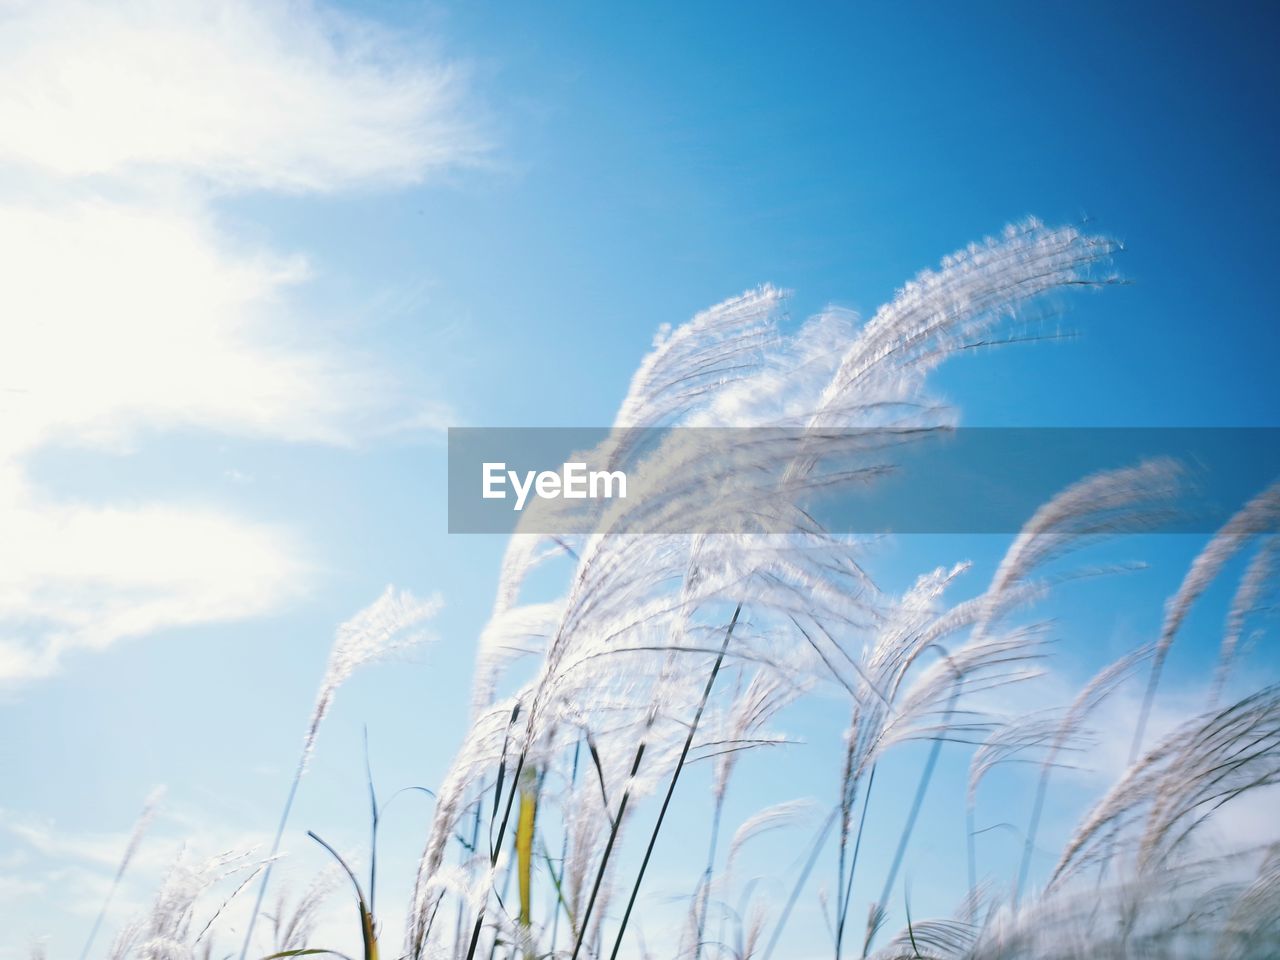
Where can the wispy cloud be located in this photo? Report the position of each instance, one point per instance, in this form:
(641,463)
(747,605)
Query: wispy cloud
(275,95)
(129,309)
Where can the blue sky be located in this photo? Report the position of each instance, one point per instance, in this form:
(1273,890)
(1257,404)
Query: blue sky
(487,229)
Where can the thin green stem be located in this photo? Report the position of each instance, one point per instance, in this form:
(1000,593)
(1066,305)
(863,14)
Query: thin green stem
(275,850)
(1037,808)
(1148,701)
(704,888)
(794,898)
(971,853)
(925,776)
(847,895)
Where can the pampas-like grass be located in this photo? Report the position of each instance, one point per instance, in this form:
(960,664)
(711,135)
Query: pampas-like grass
(673,649)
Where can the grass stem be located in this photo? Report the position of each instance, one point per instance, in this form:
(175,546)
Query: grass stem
(675,777)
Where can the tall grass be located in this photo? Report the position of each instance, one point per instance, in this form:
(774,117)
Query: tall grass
(673,650)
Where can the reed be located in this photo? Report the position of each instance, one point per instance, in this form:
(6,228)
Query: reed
(590,710)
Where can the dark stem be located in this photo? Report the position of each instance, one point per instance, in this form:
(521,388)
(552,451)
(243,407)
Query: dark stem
(495,845)
(475,845)
(604,858)
(675,777)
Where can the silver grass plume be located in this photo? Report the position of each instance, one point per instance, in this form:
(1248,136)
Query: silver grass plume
(1245,601)
(1125,500)
(730,367)
(388,625)
(140,826)
(294,924)
(956,308)
(788,813)
(1259,515)
(1110,502)
(1067,733)
(479,754)
(685,369)
(1165,798)
(170,930)
(1174,914)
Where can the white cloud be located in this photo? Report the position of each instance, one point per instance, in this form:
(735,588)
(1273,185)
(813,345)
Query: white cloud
(41,836)
(129,311)
(276,95)
(88,576)
(120,317)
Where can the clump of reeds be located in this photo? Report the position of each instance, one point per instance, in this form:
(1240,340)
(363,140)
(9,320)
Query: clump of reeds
(668,650)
